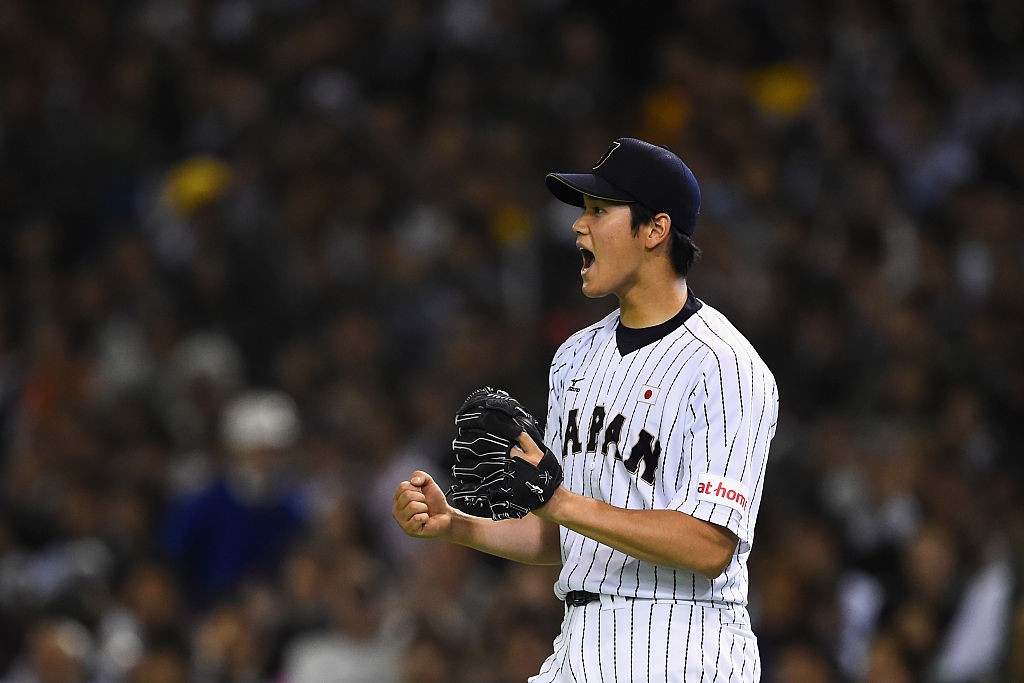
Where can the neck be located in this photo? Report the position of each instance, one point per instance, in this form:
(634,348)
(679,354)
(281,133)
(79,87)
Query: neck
(649,306)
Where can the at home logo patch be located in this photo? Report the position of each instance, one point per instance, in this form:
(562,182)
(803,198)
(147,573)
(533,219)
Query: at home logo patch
(723,491)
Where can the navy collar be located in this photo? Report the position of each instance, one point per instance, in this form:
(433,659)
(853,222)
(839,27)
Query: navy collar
(629,339)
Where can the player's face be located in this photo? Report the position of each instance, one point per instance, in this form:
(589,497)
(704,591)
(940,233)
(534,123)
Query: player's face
(611,252)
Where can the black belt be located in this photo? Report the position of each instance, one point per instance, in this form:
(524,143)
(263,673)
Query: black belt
(577,598)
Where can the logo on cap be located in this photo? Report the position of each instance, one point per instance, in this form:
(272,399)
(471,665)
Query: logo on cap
(604,157)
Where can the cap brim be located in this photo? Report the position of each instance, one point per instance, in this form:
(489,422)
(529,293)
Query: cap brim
(570,188)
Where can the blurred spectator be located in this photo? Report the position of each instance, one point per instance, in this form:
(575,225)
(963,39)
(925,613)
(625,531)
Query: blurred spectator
(227,645)
(241,524)
(56,651)
(429,658)
(162,663)
(359,644)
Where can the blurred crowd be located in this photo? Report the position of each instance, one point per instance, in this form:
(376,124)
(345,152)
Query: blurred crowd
(254,253)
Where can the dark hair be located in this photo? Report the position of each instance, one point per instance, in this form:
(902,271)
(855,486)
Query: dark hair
(684,253)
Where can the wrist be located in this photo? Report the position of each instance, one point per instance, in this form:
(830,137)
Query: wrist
(457,526)
(463,528)
(554,509)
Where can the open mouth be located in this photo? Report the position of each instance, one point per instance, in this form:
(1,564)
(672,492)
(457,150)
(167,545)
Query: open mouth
(588,259)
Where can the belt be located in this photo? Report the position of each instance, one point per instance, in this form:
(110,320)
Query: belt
(577,598)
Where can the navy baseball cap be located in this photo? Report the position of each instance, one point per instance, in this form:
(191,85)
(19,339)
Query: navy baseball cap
(632,170)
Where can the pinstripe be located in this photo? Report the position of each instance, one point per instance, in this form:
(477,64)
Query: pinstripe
(603,357)
(702,642)
(688,455)
(689,628)
(736,358)
(753,438)
(632,639)
(668,639)
(650,637)
(721,381)
(677,377)
(570,669)
(743,654)
(676,413)
(731,579)
(739,396)
(771,430)
(707,438)
(654,588)
(760,419)
(579,615)
(583,644)
(579,648)
(596,387)
(707,430)
(568,638)
(615,647)
(611,487)
(718,650)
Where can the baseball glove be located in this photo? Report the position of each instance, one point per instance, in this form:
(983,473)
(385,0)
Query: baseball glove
(489,481)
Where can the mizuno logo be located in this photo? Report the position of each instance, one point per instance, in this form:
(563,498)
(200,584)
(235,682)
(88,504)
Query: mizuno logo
(572,383)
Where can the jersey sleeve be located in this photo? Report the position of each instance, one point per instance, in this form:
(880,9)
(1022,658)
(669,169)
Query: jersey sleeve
(731,415)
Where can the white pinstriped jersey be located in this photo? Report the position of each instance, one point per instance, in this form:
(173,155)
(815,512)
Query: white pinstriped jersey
(683,423)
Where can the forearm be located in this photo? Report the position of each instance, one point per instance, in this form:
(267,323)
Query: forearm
(530,540)
(665,537)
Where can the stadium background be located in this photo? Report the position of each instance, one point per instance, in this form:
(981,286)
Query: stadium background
(343,202)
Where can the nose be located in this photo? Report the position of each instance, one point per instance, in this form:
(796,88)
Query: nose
(580,226)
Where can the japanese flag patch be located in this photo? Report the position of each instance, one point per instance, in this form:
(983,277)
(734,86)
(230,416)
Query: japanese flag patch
(723,491)
(648,394)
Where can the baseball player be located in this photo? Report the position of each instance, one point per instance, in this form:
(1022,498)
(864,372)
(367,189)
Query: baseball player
(659,422)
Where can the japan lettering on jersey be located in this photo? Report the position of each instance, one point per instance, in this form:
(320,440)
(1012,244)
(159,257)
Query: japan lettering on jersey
(683,423)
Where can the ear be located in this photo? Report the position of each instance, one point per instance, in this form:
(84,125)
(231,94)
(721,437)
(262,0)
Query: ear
(658,230)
